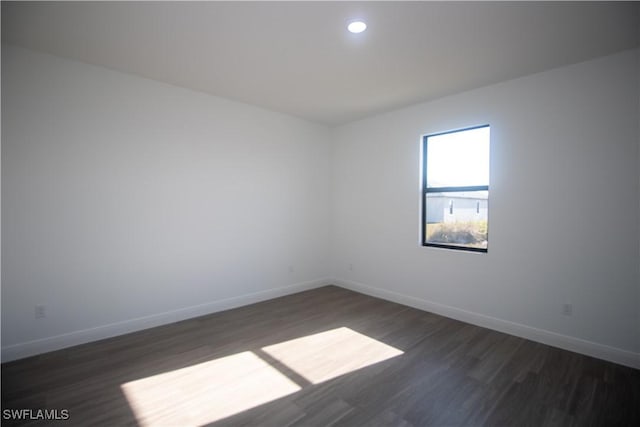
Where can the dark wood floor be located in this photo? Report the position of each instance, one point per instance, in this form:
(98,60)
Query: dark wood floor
(323,357)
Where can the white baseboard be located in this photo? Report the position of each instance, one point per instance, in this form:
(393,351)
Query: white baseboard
(600,351)
(44,345)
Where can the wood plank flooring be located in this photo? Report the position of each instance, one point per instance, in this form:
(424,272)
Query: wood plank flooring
(323,357)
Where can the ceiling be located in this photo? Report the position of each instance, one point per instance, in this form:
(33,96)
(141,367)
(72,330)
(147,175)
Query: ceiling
(298,58)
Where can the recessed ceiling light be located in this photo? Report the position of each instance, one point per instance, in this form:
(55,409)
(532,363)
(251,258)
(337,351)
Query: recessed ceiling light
(357,27)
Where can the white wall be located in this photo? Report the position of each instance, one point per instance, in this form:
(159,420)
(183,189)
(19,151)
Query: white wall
(563,208)
(129,203)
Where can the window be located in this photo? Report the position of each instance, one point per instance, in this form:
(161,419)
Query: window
(455,183)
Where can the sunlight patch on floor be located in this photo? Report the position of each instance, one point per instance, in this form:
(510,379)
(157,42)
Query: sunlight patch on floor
(326,355)
(217,389)
(206,392)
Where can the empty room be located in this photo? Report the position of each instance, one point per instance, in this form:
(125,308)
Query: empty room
(320,213)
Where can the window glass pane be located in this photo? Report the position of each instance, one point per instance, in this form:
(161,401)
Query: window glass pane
(458,159)
(457,218)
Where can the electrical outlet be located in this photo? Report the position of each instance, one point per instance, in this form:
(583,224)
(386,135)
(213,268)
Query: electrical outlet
(350,267)
(291,269)
(40,311)
(567,309)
